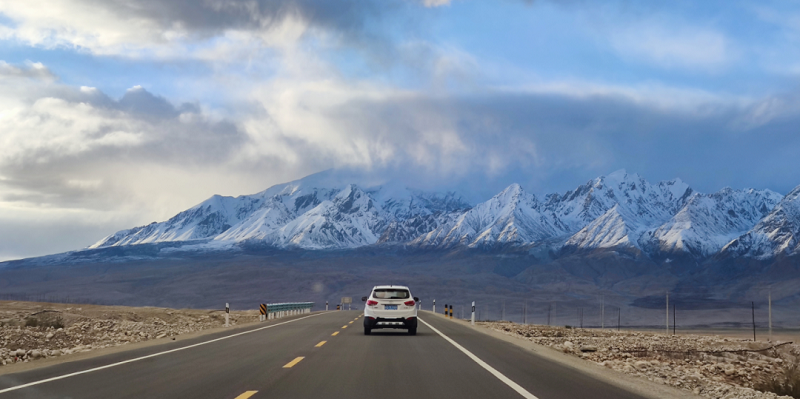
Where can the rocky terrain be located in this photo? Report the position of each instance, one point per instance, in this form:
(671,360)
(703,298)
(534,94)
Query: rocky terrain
(31,330)
(710,366)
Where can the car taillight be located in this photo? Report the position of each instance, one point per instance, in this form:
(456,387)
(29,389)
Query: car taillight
(409,303)
(372,303)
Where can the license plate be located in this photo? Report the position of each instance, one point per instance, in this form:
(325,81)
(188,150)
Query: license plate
(390,307)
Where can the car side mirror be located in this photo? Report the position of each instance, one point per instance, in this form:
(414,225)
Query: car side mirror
(363,299)
(416,299)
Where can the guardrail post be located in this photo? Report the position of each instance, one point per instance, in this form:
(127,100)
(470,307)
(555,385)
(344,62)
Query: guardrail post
(472,320)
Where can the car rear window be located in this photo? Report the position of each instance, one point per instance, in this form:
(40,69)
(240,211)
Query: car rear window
(390,293)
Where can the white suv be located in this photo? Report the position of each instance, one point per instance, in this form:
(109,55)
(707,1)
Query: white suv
(390,306)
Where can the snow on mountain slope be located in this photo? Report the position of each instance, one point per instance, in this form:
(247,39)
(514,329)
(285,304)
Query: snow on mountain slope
(618,210)
(650,204)
(511,217)
(707,222)
(271,216)
(776,234)
(412,213)
(205,220)
(260,216)
(615,210)
(615,228)
(349,220)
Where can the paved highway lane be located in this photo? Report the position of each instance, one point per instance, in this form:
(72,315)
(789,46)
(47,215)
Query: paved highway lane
(324,355)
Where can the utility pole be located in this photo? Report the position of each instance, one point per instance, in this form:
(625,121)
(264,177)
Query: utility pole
(619,317)
(674,318)
(549,308)
(667,312)
(769,298)
(555,313)
(753,304)
(503,313)
(525,312)
(602,311)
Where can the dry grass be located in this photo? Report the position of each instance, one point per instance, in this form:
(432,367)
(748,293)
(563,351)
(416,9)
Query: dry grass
(786,383)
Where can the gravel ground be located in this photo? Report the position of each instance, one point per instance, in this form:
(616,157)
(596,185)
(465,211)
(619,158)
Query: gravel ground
(710,366)
(31,331)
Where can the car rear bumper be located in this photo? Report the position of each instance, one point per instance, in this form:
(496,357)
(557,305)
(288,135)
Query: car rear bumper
(374,323)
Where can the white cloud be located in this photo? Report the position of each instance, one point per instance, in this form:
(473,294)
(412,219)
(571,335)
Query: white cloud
(34,70)
(175,29)
(670,44)
(436,3)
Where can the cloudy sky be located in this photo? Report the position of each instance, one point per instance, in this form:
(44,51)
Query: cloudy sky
(116,113)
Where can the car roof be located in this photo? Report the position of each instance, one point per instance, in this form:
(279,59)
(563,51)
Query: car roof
(389,286)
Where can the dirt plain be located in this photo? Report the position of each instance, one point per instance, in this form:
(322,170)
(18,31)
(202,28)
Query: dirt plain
(36,332)
(713,366)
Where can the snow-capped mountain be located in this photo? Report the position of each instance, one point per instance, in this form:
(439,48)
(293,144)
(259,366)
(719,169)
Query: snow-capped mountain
(634,195)
(208,219)
(776,234)
(707,222)
(316,212)
(511,217)
(613,229)
(621,210)
(350,219)
(617,209)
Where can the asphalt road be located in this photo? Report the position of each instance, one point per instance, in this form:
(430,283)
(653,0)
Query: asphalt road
(288,360)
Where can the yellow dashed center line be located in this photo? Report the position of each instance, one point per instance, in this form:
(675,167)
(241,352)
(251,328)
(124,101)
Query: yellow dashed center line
(246,395)
(293,362)
(350,322)
(335,334)
(320,344)
(344,326)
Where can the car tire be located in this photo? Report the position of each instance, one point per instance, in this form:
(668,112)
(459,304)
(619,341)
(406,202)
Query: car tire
(412,331)
(367,331)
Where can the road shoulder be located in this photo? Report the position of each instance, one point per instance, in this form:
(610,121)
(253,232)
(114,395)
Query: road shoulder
(633,384)
(52,361)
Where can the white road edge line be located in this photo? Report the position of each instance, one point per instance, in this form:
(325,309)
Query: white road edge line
(520,390)
(61,377)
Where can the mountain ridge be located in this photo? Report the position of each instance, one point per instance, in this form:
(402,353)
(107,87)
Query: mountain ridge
(620,210)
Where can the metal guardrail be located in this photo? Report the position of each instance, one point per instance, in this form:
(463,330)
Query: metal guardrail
(277,310)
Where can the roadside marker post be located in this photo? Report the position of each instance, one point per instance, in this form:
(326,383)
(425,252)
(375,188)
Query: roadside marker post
(472,320)
(434,306)
(451,312)
(263,310)
(445,310)
(227,314)
(326,306)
